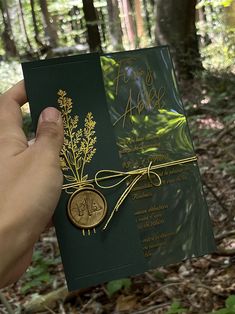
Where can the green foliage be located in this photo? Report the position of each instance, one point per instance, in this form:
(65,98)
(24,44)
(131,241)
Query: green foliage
(229,306)
(117,285)
(160,276)
(217,32)
(217,56)
(176,308)
(10,73)
(39,273)
(214,3)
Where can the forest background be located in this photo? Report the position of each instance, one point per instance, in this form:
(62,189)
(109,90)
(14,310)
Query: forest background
(201,36)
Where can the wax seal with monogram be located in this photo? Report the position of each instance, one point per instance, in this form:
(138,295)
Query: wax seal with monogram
(87,208)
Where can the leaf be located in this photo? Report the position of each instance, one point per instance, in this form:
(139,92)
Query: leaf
(226,3)
(159,276)
(79,163)
(44,277)
(116,285)
(125,303)
(176,308)
(222,311)
(26,287)
(63,164)
(85,177)
(70,158)
(69,178)
(230,302)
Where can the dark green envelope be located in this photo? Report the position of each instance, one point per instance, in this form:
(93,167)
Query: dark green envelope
(140,122)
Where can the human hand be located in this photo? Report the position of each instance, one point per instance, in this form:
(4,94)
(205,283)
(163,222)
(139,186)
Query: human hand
(30,182)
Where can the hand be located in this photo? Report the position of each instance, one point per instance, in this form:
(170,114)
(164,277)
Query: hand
(30,182)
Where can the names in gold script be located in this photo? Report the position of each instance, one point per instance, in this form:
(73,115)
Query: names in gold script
(146,97)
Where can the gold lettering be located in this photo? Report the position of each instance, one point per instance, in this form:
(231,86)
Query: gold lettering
(148,98)
(149,77)
(123,67)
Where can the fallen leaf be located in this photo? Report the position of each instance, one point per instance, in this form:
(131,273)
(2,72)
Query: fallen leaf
(126,303)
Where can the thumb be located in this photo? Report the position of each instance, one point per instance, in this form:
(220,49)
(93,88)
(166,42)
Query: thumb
(50,134)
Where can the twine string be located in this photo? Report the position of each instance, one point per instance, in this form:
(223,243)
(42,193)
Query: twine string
(104,175)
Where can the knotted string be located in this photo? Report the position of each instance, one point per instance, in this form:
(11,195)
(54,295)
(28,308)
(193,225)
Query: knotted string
(104,175)
(130,186)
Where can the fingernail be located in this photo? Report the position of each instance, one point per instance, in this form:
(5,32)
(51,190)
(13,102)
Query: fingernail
(50,114)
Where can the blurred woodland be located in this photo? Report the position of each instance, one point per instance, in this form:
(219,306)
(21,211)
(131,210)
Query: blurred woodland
(201,36)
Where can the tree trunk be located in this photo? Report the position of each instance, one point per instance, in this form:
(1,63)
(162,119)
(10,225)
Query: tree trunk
(139,24)
(24,26)
(147,17)
(204,38)
(91,18)
(176,27)
(74,11)
(103,26)
(7,35)
(115,27)
(50,29)
(35,25)
(126,8)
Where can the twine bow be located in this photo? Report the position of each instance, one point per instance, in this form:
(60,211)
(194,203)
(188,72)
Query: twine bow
(104,175)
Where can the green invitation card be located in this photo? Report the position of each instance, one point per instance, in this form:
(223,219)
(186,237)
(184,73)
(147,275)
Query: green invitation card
(132,197)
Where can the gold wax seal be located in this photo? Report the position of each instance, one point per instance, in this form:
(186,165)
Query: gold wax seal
(87,208)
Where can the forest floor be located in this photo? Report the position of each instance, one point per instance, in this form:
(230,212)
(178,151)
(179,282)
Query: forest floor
(199,285)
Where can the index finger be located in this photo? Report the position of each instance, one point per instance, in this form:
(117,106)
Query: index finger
(17,94)
(10,103)
(10,114)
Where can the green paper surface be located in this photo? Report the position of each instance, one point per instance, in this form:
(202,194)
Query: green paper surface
(139,119)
